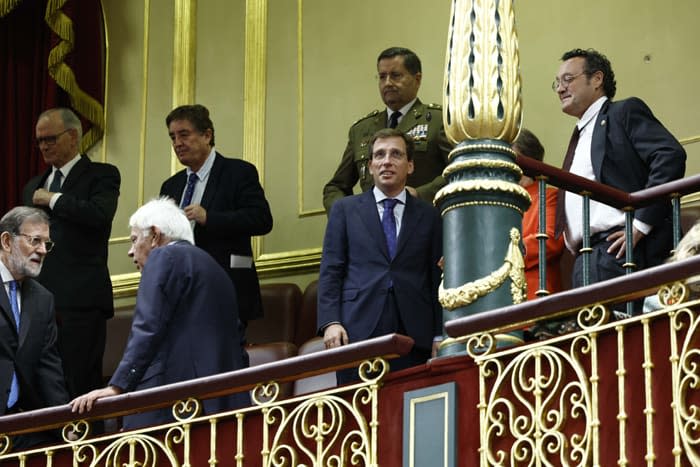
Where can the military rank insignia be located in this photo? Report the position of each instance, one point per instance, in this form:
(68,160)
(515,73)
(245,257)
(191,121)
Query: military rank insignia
(418,132)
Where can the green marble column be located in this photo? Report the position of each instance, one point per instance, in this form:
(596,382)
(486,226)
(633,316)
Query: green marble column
(482,204)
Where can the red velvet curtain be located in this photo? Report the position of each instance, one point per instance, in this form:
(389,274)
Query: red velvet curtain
(28,85)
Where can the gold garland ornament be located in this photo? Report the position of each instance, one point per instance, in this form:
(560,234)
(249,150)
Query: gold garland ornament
(513,267)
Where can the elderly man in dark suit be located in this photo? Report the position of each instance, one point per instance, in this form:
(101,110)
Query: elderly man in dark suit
(621,144)
(80,197)
(31,376)
(185,323)
(222,198)
(379,270)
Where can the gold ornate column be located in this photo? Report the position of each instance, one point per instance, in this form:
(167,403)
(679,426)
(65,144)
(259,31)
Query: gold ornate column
(482,204)
(184,58)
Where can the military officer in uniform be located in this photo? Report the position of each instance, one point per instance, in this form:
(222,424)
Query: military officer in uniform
(399,74)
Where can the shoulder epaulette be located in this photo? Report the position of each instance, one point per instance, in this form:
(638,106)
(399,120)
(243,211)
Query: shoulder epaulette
(371,114)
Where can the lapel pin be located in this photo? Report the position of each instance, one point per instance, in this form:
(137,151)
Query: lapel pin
(602,123)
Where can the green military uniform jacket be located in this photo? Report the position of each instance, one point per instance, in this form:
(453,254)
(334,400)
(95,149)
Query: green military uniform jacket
(423,123)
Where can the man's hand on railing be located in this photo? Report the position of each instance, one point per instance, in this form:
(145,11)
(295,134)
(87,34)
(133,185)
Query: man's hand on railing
(618,241)
(334,336)
(85,402)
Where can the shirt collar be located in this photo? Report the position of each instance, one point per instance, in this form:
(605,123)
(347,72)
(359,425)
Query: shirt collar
(404,110)
(204,170)
(68,166)
(5,273)
(591,112)
(379,196)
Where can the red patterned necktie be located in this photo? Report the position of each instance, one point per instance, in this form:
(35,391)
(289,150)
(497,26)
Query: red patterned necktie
(560,219)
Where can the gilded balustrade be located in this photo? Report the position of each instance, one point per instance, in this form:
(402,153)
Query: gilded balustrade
(567,402)
(334,427)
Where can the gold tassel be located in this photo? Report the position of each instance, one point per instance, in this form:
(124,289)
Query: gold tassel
(83,103)
(6,6)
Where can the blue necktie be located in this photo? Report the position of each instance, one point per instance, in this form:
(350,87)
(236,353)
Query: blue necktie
(189,190)
(389,225)
(56,182)
(14,387)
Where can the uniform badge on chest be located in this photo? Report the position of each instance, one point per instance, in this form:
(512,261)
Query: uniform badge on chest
(418,132)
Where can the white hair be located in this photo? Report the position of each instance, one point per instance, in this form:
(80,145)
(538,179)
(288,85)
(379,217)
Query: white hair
(689,245)
(166,215)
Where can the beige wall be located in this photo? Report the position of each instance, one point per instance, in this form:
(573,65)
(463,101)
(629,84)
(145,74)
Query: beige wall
(319,57)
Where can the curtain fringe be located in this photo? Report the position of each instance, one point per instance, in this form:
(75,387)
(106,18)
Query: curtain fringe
(6,6)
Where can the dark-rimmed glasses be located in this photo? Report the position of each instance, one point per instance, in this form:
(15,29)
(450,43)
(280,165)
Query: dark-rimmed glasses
(51,139)
(35,241)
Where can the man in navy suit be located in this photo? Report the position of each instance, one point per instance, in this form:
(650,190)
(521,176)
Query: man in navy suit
(225,202)
(623,145)
(374,279)
(80,197)
(185,323)
(31,376)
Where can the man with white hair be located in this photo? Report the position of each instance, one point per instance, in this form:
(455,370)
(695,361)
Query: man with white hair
(183,326)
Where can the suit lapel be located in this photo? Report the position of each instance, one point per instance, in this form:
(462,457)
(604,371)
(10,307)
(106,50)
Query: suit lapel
(5,306)
(367,211)
(409,222)
(178,186)
(40,181)
(29,300)
(75,173)
(600,133)
(212,181)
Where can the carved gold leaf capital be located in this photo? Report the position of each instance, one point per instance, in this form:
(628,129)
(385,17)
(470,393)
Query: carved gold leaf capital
(482,82)
(466,186)
(481,164)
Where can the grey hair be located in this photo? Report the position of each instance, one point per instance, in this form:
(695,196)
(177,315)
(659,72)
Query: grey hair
(166,215)
(15,217)
(69,119)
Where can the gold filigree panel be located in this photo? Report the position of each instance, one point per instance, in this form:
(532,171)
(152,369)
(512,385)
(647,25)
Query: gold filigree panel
(538,407)
(334,427)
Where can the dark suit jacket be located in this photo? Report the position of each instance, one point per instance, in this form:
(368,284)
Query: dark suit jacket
(356,269)
(631,150)
(185,326)
(236,210)
(75,271)
(33,354)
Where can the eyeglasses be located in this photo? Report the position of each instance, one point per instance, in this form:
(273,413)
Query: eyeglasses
(565,81)
(50,140)
(35,242)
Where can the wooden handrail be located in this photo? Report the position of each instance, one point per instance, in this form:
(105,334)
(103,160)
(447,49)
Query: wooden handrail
(604,193)
(620,289)
(289,369)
